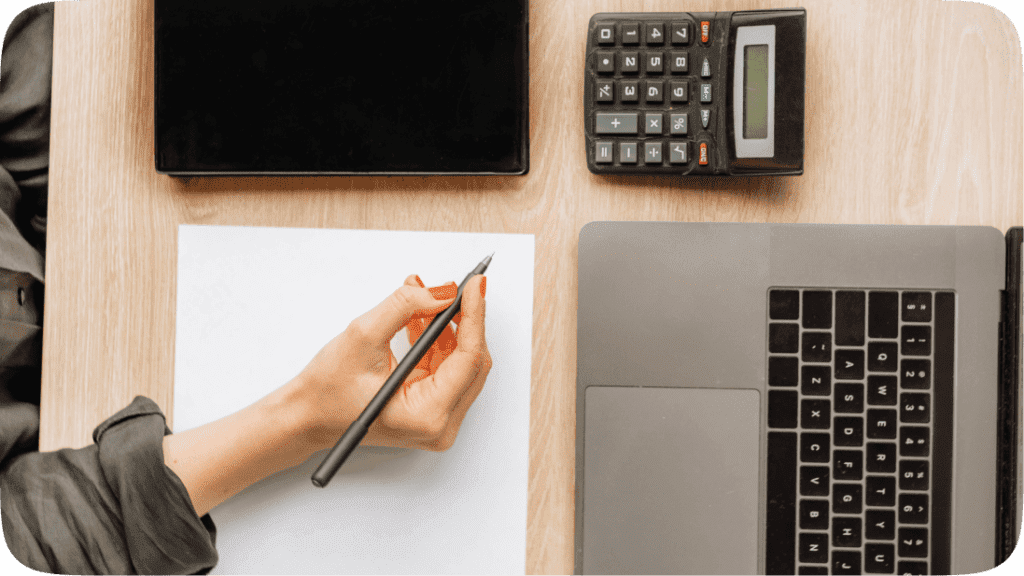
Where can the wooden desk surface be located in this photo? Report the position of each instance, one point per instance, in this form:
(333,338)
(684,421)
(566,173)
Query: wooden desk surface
(913,117)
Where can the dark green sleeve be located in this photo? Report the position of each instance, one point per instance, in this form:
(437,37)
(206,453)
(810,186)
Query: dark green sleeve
(110,508)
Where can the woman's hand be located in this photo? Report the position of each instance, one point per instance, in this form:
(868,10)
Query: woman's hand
(217,460)
(428,409)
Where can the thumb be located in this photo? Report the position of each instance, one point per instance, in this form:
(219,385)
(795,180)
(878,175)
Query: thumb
(381,323)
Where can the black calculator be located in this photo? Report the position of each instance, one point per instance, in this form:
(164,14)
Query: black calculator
(701,93)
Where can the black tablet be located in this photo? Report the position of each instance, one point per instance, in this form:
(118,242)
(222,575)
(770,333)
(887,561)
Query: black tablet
(341,87)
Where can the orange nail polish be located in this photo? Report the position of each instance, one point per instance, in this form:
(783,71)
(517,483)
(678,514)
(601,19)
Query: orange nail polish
(443,292)
(483,287)
(420,281)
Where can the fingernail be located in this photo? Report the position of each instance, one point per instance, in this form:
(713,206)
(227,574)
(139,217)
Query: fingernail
(420,281)
(445,292)
(483,287)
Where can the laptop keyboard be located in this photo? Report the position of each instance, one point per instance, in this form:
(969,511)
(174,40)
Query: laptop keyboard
(860,386)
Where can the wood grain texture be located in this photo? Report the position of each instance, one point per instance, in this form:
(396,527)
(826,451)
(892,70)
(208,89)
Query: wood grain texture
(913,117)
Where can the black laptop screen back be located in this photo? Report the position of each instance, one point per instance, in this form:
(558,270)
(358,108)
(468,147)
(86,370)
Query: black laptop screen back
(358,86)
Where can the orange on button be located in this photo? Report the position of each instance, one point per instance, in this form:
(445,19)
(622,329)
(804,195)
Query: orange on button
(705,31)
(703,158)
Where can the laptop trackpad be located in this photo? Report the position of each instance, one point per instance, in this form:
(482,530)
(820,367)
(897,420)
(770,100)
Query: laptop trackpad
(670,482)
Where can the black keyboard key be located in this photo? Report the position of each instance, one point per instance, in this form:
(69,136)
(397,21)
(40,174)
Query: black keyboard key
(882,390)
(849,398)
(780,524)
(915,408)
(783,338)
(847,464)
(883,314)
(917,307)
(784,304)
(916,374)
(913,508)
(813,547)
(911,567)
(881,424)
(813,570)
(849,364)
(915,441)
(916,340)
(845,562)
(914,475)
(817,310)
(879,525)
(814,481)
(847,498)
(815,414)
(849,318)
(881,457)
(879,558)
(846,532)
(816,380)
(782,370)
(882,356)
(815,447)
(849,431)
(913,542)
(880,491)
(816,347)
(782,409)
(814,514)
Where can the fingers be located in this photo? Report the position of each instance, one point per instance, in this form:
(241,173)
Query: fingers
(380,324)
(470,359)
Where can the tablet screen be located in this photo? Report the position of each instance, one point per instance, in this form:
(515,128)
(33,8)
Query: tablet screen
(341,86)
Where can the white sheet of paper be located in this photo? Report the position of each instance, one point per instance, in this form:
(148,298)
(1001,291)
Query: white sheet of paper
(253,307)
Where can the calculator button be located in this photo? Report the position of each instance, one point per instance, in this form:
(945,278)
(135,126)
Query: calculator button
(655,62)
(705,93)
(653,124)
(679,62)
(630,63)
(606,34)
(628,91)
(605,91)
(608,123)
(654,91)
(705,118)
(630,34)
(680,33)
(655,33)
(603,153)
(678,155)
(606,62)
(705,69)
(627,153)
(705,31)
(652,153)
(680,91)
(679,124)
(703,158)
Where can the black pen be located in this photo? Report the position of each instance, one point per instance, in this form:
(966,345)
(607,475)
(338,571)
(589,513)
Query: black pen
(355,432)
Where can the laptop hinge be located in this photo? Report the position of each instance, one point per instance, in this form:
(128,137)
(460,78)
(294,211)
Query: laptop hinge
(1009,399)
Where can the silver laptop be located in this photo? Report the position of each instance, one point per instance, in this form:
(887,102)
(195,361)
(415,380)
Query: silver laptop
(783,399)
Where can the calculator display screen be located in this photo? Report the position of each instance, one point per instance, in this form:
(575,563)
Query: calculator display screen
(755,92)
(341,86)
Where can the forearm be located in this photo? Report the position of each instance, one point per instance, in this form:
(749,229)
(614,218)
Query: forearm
(219,459)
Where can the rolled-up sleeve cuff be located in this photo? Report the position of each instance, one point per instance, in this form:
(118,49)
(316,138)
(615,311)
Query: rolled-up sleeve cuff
(162,531)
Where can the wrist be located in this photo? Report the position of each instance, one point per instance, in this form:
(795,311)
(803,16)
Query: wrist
(306,415)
